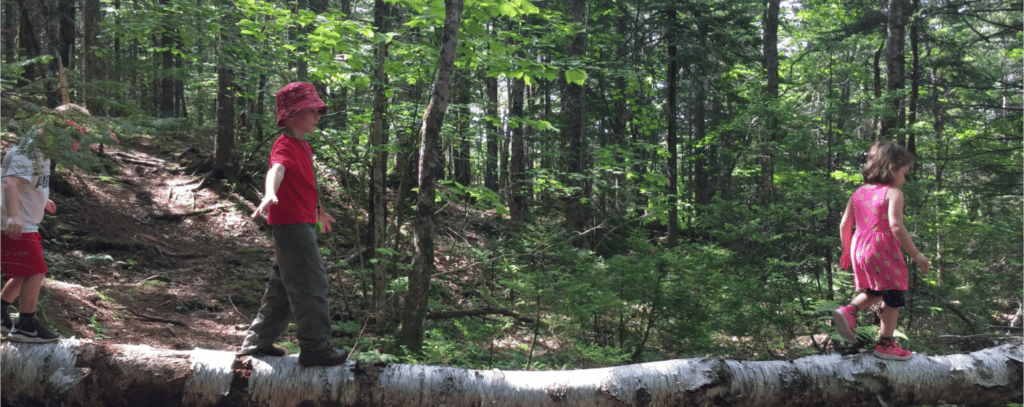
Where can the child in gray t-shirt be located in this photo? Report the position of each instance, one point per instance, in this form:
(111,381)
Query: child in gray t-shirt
(25,182)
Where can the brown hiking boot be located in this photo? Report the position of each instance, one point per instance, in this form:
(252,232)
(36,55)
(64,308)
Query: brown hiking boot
(328,356)
(268,351)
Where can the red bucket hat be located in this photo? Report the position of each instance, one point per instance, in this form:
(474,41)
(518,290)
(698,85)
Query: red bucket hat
(294,97)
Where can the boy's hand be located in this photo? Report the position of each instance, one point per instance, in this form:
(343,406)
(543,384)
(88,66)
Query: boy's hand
(325,222)
(13,227)
(264,204)
(51,207)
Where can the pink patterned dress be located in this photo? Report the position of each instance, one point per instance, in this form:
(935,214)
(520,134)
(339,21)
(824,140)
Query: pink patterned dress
(877,260)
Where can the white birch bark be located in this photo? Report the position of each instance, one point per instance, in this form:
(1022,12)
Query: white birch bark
(72,372)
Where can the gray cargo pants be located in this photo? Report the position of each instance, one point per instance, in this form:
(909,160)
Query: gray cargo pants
(297,289)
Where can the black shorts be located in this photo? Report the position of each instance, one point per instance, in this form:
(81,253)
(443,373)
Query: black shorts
(892,298)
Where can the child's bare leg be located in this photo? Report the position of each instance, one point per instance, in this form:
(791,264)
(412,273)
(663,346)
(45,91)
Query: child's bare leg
(12,289)
(30,293)
(864,300)
(889,317)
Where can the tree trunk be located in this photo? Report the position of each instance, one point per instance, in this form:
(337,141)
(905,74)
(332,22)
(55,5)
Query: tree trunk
(68,32)
(575,132)
(180,107)
(379,162)
(342,100)
(493,136)
(92,15)
(504,158)
(462,143)
(726,162)
(166,94)
(116,56)
(703,186)
(517,171)
(53,12)
(71,372)
(672,138)
(223,161)
(31,24)
(224,150)
(411,335)
(894,72)
(9,31)
(915,80)
(301,35)
(766,190)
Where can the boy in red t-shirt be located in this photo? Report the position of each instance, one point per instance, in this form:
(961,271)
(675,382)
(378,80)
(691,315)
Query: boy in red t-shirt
(298,283)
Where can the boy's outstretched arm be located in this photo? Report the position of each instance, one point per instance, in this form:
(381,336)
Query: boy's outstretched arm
(274,178)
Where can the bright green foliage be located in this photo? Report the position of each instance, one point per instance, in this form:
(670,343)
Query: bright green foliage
(748,279)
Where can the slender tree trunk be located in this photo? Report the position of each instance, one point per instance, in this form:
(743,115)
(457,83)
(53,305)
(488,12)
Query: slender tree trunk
(32,24)
(672,138)
(116,56)
(504,154)
(261,96)
(166,93)
(576,127)
(53,11)
(831,214)
(300,35)
(95,72)
(411,335)
(9,31)
(894,71)
(72,372)
(379,162)
(224,150)
(704,162)
(876,66)
(493,135)
(180,107)
(915,81)
(223,160)
(519,208)
(938,135)
(342,108)
(766,191)
(462,142)
(68,10)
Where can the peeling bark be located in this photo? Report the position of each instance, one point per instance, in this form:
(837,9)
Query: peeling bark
(73,372)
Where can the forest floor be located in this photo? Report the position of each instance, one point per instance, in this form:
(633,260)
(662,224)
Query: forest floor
(143,257)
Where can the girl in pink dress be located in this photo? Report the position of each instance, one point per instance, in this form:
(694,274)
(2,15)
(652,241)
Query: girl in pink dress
(879,271)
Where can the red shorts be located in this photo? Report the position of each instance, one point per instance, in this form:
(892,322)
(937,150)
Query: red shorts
(23,256)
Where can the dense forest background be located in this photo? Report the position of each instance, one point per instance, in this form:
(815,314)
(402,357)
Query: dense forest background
(618,181)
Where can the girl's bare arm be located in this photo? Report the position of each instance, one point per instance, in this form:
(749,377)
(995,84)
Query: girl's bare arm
(895,197)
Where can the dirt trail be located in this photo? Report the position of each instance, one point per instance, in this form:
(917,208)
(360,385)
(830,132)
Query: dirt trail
(143,257)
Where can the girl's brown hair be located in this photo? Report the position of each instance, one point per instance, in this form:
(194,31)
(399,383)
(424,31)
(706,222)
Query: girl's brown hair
(883,160)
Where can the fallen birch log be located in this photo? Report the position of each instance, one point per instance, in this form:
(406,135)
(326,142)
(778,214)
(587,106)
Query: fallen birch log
(73,372)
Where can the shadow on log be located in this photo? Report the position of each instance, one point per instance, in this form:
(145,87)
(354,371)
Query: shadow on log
(82,373)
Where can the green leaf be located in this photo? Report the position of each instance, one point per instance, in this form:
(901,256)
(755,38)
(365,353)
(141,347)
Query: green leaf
(575,76)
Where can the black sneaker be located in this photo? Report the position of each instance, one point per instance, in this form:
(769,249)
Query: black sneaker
(328,356)
(30,330)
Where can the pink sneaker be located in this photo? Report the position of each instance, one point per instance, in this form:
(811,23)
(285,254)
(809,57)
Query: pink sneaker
(845,319)
(890,350)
